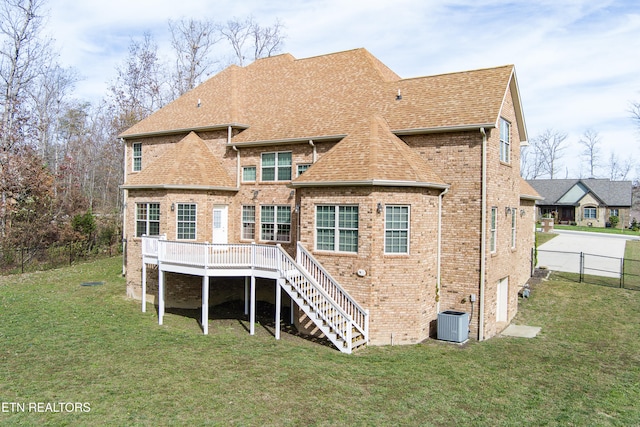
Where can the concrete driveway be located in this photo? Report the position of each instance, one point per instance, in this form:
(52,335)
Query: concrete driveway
(602,252)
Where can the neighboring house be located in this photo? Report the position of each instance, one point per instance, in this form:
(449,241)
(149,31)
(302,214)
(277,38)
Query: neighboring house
(585,202)
(373,202)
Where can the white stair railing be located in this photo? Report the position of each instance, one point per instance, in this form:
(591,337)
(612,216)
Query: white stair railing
(358,313)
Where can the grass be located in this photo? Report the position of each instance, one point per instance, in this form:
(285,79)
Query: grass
(597,229)
(542,238)
(62,342)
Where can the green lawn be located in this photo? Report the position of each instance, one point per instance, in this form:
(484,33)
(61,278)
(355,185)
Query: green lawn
(597,229)
(62,342)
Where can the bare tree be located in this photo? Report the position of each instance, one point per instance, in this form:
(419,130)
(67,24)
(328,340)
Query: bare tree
(531,166)
(619,169)
(590,140)
(635,113)
(550,145)
(192,41)
(249,40)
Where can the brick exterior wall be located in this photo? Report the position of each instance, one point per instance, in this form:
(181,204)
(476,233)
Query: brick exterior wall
(400,291)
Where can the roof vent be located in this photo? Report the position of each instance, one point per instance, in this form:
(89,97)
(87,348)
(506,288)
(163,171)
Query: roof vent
(399,95)
(199,103)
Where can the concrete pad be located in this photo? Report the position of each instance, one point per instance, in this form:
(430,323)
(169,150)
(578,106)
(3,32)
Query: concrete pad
(521,331)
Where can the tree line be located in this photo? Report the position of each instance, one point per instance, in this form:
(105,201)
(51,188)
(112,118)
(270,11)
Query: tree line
(60,157)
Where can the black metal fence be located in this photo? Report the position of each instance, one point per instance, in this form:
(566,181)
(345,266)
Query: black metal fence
(21,260)
(592,268)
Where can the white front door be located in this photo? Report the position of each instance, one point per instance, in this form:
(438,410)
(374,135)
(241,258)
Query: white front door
(220,224)
(502,300)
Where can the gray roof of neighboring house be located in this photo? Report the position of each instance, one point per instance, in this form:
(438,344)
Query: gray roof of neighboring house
(610,193)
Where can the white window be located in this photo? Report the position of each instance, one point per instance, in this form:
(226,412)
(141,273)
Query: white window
(590,213)
(249,174)
(493,230)
(275,223)
(276,166)
(147,219)
(337,228)
(249,222)
(505,141)
(513,228)
(613,212)
(186,221)
(137,156)
(303,167)
(396,230)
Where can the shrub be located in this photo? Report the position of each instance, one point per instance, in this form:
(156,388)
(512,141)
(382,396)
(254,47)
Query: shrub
(614,221)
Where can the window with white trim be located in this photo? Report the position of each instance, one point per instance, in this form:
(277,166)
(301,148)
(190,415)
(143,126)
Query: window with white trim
(493,229)
(396,230)
(248,222)
(186,225)
(302,167)
(147,219)
(249,174)
(614,212)
(513,228)
(275,223)
(590,213)
(505,141)
(137,156)
(337,228)
(276,166)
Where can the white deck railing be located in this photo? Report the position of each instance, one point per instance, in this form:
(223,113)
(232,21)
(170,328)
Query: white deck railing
(327,300)
(358,313)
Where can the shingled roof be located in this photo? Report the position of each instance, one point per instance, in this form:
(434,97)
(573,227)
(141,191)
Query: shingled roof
(610,193)
(281,98)
(189,164)
(370,155)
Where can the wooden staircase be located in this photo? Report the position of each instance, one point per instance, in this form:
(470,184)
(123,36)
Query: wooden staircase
(343,321)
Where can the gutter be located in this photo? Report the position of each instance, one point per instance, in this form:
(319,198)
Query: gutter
(176,187)
(439,254)
(369,182)
(483,236)
(441,129)
(183,130)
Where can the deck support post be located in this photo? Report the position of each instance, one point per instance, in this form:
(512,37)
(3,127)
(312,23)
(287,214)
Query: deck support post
(144,287)
(205,304)
(278,306)
(160,295)
(252,314)
(246,295)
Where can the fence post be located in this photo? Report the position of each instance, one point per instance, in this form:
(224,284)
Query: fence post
(533,267)
(622,272)
(581,266)
(22,259)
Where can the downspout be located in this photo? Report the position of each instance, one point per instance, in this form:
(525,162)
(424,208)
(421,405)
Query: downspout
(237,165)
(314,151)
(483,235)
(124,211)
(439,255)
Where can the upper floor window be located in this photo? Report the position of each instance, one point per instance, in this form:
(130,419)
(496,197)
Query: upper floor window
(396,230)
(186,221)
(249,174)
(303,167)
(590,213)
(276,166)
(337,227)
(147,219)
(505,141)
(493,230)
(137,156)
(275,223)
(513,228)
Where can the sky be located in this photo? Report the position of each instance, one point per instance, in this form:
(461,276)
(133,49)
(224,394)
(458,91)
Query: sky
(577,61)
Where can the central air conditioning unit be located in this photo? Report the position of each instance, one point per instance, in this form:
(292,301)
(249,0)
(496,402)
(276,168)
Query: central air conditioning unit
(453,326)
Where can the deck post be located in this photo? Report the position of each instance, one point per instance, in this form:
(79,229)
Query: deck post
(278,306)
(160,295)
(144,286)
(246,295)
(205,304)
(252,314)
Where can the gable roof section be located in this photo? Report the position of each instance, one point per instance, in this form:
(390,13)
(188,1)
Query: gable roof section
(370,155)
(188,164)
(611,193)
(527,192)
(283,98)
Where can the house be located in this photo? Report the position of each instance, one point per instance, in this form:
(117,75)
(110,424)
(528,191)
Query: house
(363,203)
(585,202)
